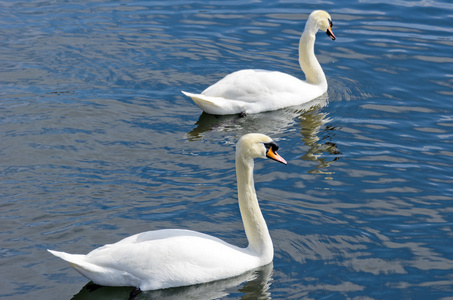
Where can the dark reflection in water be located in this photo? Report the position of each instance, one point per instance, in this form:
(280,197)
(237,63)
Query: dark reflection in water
(255,285)
(270,123)
(316,134)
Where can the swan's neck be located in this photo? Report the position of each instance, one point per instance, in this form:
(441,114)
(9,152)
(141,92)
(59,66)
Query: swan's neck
(254,224)
(307,59)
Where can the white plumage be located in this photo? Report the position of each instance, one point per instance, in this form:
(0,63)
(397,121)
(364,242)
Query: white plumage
(254,91)
(173,257)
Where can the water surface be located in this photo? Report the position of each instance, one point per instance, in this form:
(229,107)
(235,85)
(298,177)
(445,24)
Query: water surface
(98,143)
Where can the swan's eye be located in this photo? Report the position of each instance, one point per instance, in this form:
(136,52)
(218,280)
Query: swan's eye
(330,23)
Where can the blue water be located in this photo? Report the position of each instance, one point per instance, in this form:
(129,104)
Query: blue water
(98,143)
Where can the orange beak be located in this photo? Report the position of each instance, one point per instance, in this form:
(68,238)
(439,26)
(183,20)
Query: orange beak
(274,155)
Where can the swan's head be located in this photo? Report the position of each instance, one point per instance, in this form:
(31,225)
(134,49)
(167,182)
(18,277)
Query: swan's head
(321,20)
(254,145)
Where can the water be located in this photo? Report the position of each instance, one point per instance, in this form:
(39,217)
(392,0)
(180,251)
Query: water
(98,143)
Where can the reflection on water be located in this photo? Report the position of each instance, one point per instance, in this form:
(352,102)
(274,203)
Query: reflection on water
(255,285)
(310,117)
(269,123)
(313,125)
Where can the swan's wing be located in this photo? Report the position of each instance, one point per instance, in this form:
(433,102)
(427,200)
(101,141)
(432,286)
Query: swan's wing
(252,85)
(259,90)
(254,91)
(161,259)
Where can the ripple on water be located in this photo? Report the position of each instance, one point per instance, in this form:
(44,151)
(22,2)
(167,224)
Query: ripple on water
(99,143)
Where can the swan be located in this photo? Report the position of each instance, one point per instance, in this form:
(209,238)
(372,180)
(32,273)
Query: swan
(254,91)
(174,257)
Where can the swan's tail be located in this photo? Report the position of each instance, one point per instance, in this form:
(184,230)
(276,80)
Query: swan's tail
(205,103)
(105,276)
(79,263)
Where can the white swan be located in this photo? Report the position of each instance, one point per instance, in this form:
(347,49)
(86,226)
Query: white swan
(172,257)
(254,91)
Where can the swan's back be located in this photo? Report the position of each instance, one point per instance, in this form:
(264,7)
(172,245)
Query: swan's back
(252,85)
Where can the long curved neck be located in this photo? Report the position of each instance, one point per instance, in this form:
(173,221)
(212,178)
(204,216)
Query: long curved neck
(307,59)
(254,224)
